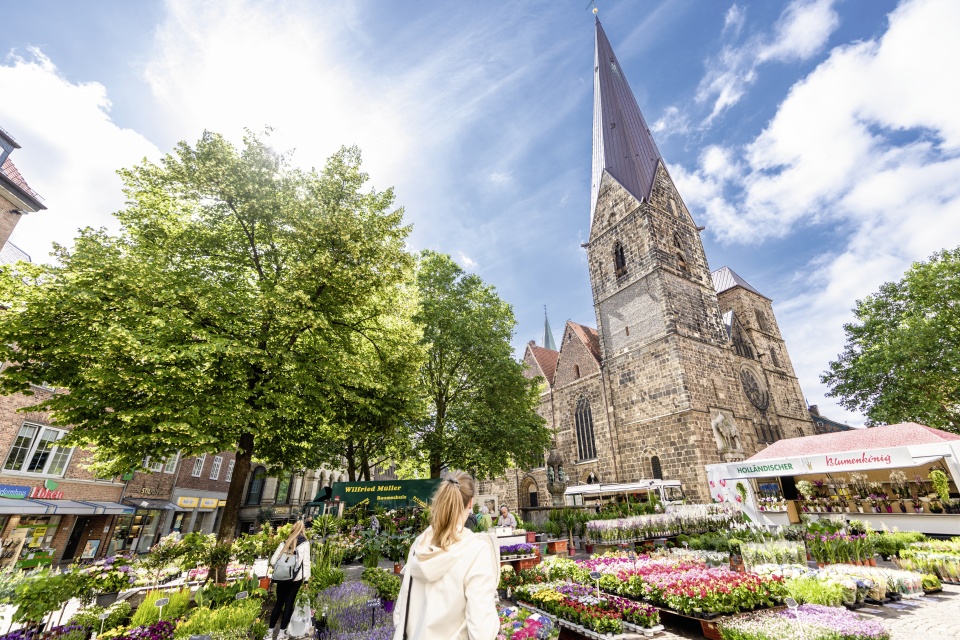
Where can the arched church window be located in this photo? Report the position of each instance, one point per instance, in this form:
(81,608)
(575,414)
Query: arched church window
(761,321)
(676,241)
(583,420)
(619,260)
(682,263)
(656,468)
(773,356)
(576,372)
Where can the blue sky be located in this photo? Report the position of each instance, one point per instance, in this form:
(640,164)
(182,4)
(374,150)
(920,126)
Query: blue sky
(817,141)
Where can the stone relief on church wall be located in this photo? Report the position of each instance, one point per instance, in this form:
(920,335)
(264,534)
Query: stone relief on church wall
(726,433)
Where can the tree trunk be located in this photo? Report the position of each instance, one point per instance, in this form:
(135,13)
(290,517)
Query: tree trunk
(241,471)
(365,466)
(436,466)
(351,463)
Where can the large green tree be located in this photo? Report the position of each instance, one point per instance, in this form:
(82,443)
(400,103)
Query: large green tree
(482,410)
(240,300)
(901,361)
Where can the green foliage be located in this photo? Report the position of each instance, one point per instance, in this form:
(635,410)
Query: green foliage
(45,591)
(117,615)
(148,612)
(386,584)
(941,484)
(240,302)
(214,596)
(807,590)
(902,355)
(240,615)
(249,547)
(482,410)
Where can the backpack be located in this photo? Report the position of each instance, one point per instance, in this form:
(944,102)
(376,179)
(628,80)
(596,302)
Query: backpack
(287,567)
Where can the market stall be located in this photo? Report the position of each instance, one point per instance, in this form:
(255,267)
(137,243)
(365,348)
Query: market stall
(885,475)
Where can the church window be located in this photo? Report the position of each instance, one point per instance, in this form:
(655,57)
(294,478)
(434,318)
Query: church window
(583,419)
(682,263)
(619,260)
(768,433)
(676,241)
(761,321)
(741,344)
(576,371)
(773,356)
(656,468)
(799,432)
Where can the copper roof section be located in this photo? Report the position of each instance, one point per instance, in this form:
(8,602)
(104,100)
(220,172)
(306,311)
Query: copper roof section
(726,278)
(622,144)
(588,336)
(546,360)
(892,435)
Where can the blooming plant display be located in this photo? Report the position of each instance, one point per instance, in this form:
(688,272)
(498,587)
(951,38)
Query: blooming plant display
(111,574)
(807,622)
(938,557)
(518,549)
(774,552)
(519,623)
(679,519)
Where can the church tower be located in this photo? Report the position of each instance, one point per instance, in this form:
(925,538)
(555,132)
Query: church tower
(674,389)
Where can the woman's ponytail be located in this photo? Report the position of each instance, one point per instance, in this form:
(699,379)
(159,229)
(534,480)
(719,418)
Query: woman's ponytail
(446,510)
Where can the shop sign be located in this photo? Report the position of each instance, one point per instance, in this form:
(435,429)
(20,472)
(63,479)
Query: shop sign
(221,503)
(208,503)
(281,511)
(42,493)
(859,460)
(187,502)
(395,493)
(14,491)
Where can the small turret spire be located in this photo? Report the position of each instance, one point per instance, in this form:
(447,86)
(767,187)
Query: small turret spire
(622,144)
(548,342)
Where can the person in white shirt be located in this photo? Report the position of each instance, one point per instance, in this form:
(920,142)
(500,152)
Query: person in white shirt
(298,545)
(506,518)
(450,581)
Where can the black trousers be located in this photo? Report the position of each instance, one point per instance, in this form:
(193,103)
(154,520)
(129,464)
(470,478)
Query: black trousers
(286,600)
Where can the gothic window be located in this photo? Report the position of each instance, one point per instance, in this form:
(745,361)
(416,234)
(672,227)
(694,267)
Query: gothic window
(799,432)
(576,372)
(761,321)
(583,419)
(656,468)
(619,260)
(681,258)
(768,433)
(682,263)
(773,356)
(741,344)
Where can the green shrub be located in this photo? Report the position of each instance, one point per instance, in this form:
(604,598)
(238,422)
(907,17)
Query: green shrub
(387,585)
(117,614)
(241,615)
(148,612)
(812,591)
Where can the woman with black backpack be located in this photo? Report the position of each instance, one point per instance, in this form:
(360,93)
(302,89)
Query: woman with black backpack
(291,567)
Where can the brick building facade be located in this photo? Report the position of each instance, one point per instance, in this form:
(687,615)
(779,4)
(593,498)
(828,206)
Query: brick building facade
(687,367)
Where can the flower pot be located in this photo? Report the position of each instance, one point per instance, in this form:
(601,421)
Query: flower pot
(860,509)
(397,567)
(264,583)
(388,606)
(531,537)
(872,562)
(918,509)
(889,508)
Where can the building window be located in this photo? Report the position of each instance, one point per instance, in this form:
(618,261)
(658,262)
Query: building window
(256,485)
(35,450)
(154,467)
(576,371)
(761,321)
(773,357)
(198,465)
(682,263)
(171,465)
(768,433)
(215,467)
(656,468)
(619,260)
(583,418)
(229,475)
(283,489)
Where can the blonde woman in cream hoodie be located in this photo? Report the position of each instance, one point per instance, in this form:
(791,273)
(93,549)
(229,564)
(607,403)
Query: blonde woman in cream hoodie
(450,581)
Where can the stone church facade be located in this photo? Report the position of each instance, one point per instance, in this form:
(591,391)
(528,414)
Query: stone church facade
(687,367)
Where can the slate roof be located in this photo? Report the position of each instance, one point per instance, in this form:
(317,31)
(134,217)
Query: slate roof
(546,360)
(893,435)
(11,253)
(726,278)
(588,336)
(622,143)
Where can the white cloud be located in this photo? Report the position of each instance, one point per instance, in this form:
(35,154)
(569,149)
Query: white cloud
(801,32)
(70,150)
(672,122)
(866,143)
(734,19)
(500,177)
(466,261)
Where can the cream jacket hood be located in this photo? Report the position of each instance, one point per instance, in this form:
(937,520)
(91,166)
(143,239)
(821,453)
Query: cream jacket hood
(452,593)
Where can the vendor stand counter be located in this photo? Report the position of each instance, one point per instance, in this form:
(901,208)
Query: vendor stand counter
(506,537)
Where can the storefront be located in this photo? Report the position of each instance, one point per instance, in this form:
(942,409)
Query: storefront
(198,511)
(881,474)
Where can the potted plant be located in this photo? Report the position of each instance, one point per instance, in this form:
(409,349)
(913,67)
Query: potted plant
(935,507)
(917,505)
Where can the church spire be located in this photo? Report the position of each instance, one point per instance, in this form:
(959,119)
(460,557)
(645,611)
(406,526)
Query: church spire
(622,144)
(548,342)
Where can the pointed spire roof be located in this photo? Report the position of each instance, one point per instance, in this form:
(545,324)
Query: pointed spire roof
(622,144)
(547,332)
(726,278)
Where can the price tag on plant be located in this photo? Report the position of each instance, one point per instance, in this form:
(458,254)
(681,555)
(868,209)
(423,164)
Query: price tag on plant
(104,616)
(162,602)
(241,596)
(373,604)
(594,575)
